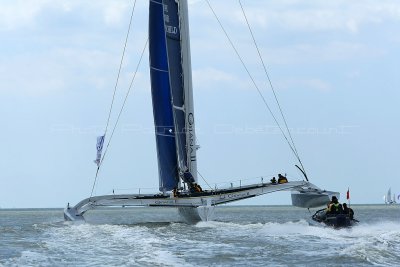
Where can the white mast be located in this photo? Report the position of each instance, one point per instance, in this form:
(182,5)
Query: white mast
(191,146)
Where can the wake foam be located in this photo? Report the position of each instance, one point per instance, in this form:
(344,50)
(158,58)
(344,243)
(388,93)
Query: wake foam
(177,244)
(376,243)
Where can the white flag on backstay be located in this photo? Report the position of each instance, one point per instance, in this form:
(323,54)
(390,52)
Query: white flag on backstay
(99,147)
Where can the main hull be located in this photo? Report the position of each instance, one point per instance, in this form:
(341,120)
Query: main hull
(192,207)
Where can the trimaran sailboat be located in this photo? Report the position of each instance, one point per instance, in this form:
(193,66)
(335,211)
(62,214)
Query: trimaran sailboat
(172,96)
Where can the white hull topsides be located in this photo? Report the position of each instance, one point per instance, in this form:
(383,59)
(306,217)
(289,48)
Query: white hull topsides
(304,194)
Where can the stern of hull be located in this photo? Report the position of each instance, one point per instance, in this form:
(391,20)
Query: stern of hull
(72,214)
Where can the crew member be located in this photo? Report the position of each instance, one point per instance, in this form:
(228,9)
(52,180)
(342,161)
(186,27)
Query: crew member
(195,188)
(349,211)
(189,179)
(335,207)
(199,187)
(282,179)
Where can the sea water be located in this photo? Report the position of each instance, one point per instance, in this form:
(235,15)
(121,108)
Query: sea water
(239,236)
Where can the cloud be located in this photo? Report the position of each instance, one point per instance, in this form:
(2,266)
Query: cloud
(290,14)
(115,12)
(309,84)
(54,71)
(88,51)
(68,69)
(318,16)
(295,32)
(46,51)
(19,14)
(209,77)
(217,79)
(315,84)
(310,53)
(15,14)
(193,2)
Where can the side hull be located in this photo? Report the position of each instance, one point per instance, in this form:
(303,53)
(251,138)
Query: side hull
(312,198)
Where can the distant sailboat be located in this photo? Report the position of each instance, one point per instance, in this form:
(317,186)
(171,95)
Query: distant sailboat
(173,110)
(389,198)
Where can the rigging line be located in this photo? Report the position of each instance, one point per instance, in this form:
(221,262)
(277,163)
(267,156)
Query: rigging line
(252,79)
(115,88)
(272,87)
(119,115)
(205,180)
(119,69)
(94,183)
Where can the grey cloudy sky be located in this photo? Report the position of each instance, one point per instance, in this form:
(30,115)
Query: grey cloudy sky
(334,64)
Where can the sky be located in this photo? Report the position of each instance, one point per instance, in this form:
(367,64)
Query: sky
(334,66)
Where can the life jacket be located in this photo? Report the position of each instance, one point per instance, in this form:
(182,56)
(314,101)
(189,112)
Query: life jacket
(336,207)
(282,180)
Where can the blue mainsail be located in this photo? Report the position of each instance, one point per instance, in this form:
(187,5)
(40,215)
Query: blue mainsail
(173,41)
(162,100)
(171,86)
